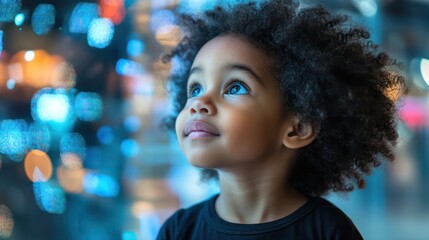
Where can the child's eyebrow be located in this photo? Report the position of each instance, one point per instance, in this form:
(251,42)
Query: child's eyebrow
(245,68)
(195,70)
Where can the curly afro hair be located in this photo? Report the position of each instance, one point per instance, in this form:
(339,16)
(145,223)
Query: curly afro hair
(331,75)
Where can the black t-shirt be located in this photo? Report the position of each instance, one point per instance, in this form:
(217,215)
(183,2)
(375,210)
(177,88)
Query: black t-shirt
(316,219)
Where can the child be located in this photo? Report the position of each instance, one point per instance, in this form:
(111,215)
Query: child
(281,105)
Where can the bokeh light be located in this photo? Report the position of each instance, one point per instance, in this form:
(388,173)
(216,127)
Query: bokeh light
(35,68)
(81,16)
(412,112)
(135,47)
(15,72)
(6,222)
(132,123)
(196,6)
(129,235)
(64,76)
(39,136)
(1,42)
(100,184)
(113,10)
(424,69)
(43,19)
(141,207)
(9,9)
(29,56)
(100,32)
(53,106)
(88,106)
(105,134)
(127,67)
(38,166)
(10,84)
(368,8)
(130,148)
(71,160)
(13,138)
(49,197)
(19,19)
(73,143)
(71,180)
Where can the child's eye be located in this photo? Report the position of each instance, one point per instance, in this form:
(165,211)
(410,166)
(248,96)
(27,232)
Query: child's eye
(237,88)
(195,90)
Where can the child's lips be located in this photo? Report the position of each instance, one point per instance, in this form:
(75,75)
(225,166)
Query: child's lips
(198,128)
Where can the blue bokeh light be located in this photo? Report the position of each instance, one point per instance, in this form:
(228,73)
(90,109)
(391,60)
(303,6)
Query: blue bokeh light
(88,106)
(51,106)
(19,19)
(9,9)
(105,134)
(135,47)
(81,16)
(49,197)
(130,148)
(196,6)
(368,8)
(13,138)
(43,18)
(10,84)
(132,123)
(100,32)
(1,41)
(39,136)
(129,235)
(127,67)
(73,143)
(100,184)
(161,18)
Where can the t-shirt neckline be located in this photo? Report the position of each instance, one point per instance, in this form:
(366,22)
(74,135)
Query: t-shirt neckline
(223,226)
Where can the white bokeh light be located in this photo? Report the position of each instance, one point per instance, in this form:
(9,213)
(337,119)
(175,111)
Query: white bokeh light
(424,69)
(53,107)
(29,56)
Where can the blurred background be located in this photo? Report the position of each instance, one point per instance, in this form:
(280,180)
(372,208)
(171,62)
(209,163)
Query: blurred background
(82,154)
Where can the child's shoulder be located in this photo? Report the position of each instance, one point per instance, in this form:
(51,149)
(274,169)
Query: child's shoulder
(331,219)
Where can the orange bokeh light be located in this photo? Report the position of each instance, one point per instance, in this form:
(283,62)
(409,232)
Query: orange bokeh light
(71,180)
(38,166)
(38,72)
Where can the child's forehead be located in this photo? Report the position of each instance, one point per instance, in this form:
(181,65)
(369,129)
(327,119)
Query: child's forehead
(232,48)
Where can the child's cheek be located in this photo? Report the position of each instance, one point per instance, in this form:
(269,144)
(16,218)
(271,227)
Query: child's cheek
(179,125)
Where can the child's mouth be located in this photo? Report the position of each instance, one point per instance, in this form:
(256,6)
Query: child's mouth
(200,129)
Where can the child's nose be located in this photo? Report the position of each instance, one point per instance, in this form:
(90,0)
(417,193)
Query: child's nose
(203,105)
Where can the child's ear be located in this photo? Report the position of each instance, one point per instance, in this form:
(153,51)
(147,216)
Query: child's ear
(298,134)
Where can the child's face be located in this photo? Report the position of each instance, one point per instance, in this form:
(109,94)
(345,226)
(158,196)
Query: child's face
(233,114)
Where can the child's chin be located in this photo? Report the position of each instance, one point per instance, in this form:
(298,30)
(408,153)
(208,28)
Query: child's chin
(202,164)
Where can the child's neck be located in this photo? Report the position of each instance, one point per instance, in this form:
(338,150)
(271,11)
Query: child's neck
(256,199)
